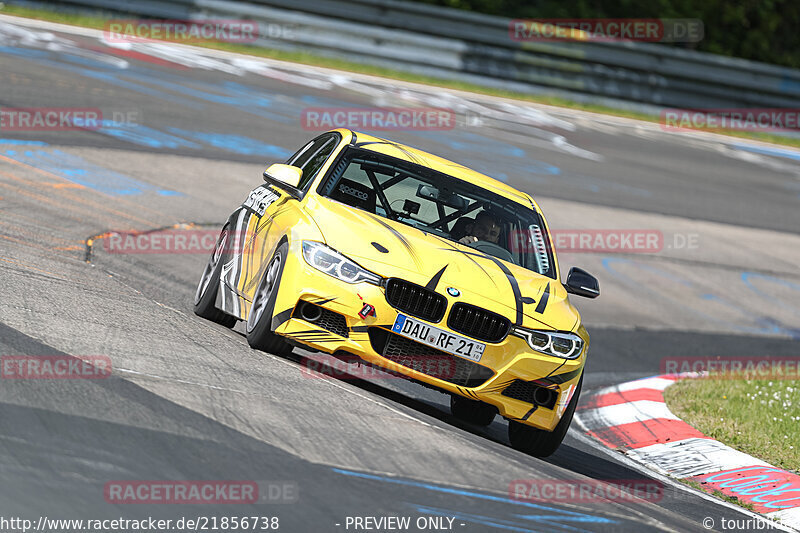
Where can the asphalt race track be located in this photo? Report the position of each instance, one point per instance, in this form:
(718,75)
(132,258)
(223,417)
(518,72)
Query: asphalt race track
(187,133)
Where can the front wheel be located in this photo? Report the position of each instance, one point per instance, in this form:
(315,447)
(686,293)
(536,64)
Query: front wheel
(206,294)
(259,321)
(538,442)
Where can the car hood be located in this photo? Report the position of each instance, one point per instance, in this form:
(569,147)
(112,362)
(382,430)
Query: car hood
(525,297)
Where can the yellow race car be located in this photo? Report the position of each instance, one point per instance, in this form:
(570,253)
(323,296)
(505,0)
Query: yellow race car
(362,247)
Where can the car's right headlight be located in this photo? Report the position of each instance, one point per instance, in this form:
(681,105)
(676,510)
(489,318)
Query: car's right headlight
(327,260)
(556,343)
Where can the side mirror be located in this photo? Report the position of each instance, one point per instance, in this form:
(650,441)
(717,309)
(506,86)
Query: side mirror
(582,283)
(286,177)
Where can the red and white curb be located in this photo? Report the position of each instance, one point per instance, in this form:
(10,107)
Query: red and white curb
(634,419)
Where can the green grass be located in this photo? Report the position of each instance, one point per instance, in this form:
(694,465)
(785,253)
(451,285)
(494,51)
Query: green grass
(98,22)
(719,494)
(86,21)
(758,417)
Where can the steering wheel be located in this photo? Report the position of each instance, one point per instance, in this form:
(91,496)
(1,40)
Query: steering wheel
(492,249)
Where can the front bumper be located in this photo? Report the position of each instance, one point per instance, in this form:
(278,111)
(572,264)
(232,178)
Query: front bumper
(509,362)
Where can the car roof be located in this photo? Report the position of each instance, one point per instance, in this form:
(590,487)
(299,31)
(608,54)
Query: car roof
(414,155)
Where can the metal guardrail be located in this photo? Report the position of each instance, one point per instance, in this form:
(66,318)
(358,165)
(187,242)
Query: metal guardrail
(453,44)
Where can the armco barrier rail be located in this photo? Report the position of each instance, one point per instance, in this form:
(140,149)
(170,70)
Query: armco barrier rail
(454,44)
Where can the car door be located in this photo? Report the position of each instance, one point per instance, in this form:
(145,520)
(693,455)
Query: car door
(269,212)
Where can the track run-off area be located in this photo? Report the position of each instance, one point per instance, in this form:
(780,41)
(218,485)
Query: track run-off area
(186,134)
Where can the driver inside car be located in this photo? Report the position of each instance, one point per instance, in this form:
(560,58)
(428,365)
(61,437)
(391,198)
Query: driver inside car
(485,228)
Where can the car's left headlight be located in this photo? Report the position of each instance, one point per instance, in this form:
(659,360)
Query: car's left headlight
(331,262)
(555,343)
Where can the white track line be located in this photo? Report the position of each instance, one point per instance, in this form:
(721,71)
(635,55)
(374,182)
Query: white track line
(176,380)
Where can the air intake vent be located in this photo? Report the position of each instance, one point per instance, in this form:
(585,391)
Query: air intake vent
(478,323)
(530,392)
(415,300)
(428,360)
(324,318)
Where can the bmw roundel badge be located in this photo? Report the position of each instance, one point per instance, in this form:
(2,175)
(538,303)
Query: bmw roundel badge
(452,291)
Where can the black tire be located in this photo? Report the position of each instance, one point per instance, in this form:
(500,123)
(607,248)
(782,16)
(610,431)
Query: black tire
(472,411)
(259,322)
(538,442)
(206,294)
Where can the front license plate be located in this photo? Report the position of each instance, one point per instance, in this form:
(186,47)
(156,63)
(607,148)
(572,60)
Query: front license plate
(438,338)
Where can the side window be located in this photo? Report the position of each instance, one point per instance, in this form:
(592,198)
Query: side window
(301,156)
(312,156)
(318,155)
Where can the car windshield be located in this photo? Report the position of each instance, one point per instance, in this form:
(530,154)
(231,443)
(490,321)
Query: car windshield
(441,205)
